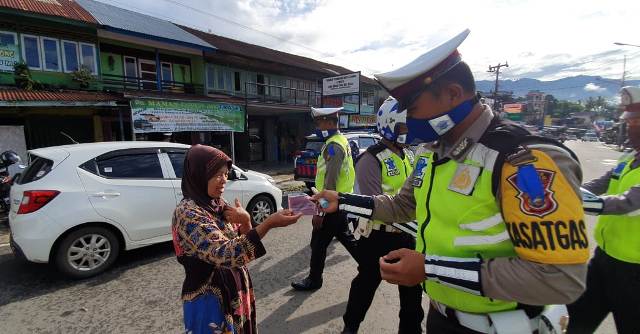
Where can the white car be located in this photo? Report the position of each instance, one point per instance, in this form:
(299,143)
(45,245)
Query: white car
(78,205)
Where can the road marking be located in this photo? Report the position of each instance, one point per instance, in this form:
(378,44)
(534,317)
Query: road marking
(609,162)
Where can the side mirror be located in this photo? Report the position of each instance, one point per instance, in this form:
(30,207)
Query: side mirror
(234,174)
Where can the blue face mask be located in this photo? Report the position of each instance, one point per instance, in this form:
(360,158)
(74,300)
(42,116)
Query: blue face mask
(429,130)
(324,134)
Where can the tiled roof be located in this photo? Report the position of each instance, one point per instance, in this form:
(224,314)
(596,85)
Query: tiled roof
(123,19)
(68,9)
(247,50)
(20,95)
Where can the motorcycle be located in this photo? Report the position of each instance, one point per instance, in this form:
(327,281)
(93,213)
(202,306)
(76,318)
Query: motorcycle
(10,171)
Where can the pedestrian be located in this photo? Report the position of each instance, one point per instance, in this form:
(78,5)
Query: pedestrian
(501,229)
(382,169)
(334,172)
(214,242)
(613,279)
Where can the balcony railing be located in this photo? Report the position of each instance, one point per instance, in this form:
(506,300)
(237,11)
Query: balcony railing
(257,92)
(127,83)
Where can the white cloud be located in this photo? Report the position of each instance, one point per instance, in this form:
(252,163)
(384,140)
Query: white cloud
(591,87)
(544,39)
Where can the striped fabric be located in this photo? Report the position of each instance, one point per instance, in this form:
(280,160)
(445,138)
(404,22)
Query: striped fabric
(458,273)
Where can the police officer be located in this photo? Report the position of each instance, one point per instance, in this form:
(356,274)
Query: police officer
(501,229)
(613,279)
(334,172)
(382,169)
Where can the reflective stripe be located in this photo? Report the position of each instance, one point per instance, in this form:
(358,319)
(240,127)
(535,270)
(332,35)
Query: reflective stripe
(484,156)
(481,240)
(450,259)
(461,274)
(356,210)
(457,287)
(483,224)
(634,213)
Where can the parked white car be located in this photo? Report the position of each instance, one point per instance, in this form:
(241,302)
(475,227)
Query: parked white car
(78,206)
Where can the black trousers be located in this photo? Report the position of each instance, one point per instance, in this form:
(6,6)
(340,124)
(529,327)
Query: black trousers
(334,225)
(365,284)
(612,286)
(439,324)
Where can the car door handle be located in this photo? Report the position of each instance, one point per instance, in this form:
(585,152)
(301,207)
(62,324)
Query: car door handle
(105,194)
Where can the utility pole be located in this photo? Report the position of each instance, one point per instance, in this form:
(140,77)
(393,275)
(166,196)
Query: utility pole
(624,71)
(496,70)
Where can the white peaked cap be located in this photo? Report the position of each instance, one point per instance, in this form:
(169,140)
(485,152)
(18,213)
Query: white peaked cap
(319,112)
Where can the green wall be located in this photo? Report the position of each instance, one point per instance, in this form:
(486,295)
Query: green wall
(116,68)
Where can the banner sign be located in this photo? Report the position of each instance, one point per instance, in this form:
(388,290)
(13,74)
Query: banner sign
(512,107)
(8,57)
(342,84)
(176,116)
(362,120)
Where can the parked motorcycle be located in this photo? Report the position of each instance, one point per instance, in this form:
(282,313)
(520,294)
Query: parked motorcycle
(10,170)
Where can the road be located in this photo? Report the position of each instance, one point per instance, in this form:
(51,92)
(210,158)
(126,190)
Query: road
(141,294)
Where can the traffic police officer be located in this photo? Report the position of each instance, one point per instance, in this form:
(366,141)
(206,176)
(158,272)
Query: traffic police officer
(334,172)
(382,169)
(501,227)
(613,279)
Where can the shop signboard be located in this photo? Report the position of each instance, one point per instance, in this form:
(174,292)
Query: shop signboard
(151,115)
(341,84)
(9,56)
(362,120)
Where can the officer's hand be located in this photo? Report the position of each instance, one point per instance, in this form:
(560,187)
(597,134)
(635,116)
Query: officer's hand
(331,197)
(403,266)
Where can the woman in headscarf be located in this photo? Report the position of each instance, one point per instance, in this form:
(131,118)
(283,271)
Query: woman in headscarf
(214,241)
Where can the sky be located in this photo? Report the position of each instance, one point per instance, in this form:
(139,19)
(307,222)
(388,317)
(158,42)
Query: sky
(542,39)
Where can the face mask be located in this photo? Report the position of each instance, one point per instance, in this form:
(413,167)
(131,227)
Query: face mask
(324,134)
(429,130)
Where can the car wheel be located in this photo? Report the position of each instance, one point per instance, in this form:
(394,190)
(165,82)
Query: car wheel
(87,252)
(260,208)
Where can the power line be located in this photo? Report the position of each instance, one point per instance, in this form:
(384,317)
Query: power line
(321,53)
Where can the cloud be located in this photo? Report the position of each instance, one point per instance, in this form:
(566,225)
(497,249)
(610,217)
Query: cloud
(373,36)
(591,87)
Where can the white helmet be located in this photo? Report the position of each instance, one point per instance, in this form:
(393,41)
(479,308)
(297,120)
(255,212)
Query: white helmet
(389,119)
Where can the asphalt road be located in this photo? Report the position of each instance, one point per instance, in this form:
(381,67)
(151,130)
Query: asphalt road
(141,294)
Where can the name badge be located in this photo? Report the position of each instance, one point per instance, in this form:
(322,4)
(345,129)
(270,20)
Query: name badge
(464,179)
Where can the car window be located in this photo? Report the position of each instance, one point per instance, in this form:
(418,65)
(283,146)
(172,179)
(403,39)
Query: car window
(314,145)
(365,142)
(38,168)
(177,161)
(137,166)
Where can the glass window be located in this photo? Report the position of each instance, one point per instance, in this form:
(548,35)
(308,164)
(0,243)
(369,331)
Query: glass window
(50,54)
(220,78)
(7,38)
(167,73)
(70,56)
(236,81)
(38,168)
(31,51)
(211,77)
(227,80)
(177,161)
(365,142)
(134,166)
(130,68)
(88,57)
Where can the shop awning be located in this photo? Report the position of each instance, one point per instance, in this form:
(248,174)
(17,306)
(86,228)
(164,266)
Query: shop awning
(37,98)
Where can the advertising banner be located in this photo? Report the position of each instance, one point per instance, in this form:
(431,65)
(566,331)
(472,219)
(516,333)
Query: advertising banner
(150,115)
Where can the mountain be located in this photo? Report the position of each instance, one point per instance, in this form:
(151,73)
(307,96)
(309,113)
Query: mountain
(573,88)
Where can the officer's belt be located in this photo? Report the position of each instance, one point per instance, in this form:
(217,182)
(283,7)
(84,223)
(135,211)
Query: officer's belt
(486,323)
(384,228)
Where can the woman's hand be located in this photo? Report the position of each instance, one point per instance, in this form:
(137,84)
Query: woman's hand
(282,218)
(239,217)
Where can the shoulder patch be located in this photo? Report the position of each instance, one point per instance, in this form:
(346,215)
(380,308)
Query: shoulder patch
(421,164)
(543,214)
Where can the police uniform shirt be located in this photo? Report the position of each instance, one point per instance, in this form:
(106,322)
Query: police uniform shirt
(624,203)
(333,156)
(514,278)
